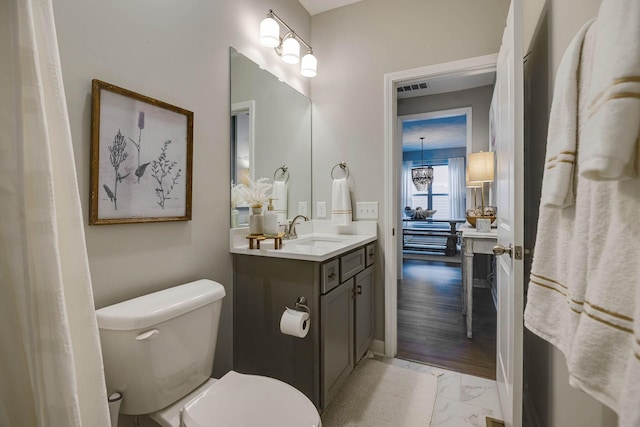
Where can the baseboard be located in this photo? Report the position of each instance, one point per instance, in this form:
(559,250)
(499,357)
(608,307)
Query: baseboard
(377,347)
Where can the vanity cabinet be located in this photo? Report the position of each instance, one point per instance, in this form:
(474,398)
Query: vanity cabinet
(336,339)
(364,305)
(339,293)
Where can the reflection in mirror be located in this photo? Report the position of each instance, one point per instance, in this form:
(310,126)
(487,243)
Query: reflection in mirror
(270,128)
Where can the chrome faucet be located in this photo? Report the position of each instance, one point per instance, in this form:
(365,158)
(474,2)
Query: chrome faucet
(290,232)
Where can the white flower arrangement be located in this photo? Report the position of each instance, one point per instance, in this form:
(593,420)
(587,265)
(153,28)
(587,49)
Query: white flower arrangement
(256,194)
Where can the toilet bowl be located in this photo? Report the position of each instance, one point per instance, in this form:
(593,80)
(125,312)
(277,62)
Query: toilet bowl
(238,400)
(158,354)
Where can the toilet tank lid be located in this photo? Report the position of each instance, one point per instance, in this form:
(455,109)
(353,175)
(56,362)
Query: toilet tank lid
(152,309)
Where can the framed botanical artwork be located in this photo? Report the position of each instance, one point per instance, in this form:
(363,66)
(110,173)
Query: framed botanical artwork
(141,158)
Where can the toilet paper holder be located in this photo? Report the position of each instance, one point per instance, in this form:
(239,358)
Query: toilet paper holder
(301,302)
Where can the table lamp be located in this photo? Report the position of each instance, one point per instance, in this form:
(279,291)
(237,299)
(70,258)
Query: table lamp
(481,170)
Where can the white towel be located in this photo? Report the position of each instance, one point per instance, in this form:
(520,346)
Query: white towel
(584,289)
(610,147)
(340,202)
(279,195)
(558,183)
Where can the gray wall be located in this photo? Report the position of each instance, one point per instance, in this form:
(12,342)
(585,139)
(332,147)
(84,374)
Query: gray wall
(549,399)
(177,52)
(356,46)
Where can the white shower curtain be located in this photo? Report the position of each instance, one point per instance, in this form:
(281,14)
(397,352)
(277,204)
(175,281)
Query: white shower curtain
(457,188)
(51,370)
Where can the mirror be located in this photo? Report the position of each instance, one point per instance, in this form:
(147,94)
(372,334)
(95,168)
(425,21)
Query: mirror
(270,129)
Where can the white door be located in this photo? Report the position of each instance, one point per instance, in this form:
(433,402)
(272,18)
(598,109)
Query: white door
(509,123)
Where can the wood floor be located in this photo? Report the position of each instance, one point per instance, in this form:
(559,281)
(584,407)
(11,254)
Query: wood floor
(431,327)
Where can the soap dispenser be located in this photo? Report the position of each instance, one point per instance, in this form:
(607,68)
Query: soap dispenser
(270,221)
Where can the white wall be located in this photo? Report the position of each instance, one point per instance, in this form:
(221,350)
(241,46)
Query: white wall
(177,52)
(356,46)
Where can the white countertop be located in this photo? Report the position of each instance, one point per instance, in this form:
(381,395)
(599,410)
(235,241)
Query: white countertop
(317,241)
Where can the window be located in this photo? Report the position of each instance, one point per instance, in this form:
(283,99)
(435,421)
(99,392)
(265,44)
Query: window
(437,195)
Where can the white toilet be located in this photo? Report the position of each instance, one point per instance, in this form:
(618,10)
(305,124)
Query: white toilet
(158,353)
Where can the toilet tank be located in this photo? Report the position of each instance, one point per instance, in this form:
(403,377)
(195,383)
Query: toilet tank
(159,347)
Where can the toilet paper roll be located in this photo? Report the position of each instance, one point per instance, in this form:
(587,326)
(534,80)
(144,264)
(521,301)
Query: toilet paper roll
(295,323)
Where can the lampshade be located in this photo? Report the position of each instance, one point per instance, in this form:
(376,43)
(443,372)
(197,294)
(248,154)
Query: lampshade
(471,184)
(481,167)
(309,65)
(269,32)
(290,50)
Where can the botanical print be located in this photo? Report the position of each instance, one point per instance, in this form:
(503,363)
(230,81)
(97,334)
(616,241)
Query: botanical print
(142,161)
(117,155)
(162,168)
(141,168)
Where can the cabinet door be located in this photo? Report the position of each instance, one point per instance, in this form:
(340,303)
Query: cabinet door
(364,312)
(337,339)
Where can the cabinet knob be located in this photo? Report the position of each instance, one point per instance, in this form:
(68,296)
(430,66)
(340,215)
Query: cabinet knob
(332,276)
(359,289)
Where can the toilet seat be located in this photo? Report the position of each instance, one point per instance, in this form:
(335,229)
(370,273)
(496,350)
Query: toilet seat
(239,400)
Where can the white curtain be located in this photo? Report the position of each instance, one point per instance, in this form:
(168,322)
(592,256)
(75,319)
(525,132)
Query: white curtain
(407,185)
(457,189)
(51,371)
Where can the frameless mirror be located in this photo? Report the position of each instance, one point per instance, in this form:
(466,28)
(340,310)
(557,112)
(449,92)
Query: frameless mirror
(270,135)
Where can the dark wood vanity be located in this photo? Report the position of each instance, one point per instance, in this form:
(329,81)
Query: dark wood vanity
(339,293)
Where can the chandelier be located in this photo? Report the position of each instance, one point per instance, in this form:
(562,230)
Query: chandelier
(422,177)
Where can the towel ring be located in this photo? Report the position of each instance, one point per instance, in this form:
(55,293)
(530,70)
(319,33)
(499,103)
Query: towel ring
(285,172)
(343,166)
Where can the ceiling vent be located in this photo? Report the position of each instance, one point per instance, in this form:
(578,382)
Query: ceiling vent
(414,86)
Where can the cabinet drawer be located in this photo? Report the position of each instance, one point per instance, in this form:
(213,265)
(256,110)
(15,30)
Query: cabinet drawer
(351,264)
(371,254)
(330,278)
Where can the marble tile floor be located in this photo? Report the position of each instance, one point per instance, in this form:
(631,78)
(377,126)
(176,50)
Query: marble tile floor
(462,401)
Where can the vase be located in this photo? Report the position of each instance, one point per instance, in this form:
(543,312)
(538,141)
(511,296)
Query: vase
(235,218)
(256,220)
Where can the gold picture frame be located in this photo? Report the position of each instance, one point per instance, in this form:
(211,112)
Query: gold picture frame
(141,158)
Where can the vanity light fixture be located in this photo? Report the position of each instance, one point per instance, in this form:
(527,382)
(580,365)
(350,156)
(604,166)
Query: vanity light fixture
(288,46)
(422,176)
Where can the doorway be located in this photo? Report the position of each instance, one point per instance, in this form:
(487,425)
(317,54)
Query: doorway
(431,322)
(393,257)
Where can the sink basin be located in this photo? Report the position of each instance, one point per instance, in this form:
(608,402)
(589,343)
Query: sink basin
(321,242)
(317,245)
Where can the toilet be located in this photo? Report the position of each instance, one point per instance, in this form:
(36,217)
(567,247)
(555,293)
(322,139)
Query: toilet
(158,352)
